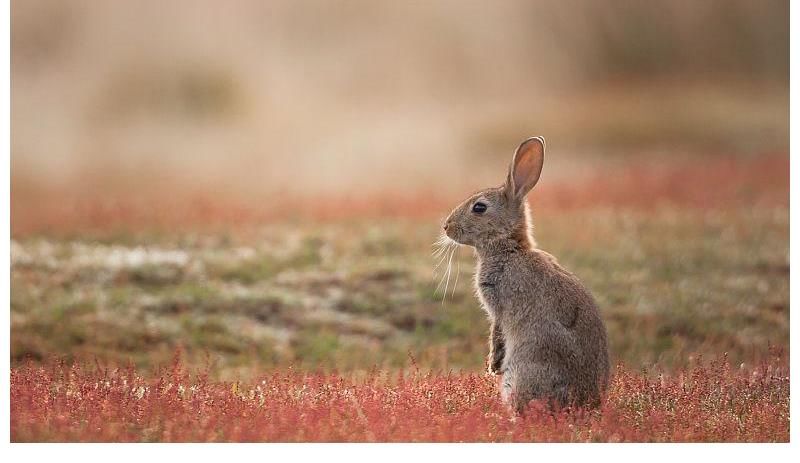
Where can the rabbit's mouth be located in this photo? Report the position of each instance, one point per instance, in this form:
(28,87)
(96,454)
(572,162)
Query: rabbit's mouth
(452,232)
(457,237)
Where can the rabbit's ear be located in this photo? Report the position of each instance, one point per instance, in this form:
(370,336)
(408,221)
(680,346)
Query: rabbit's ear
(526,167)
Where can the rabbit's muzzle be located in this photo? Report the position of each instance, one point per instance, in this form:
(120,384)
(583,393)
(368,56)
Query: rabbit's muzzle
(452,231)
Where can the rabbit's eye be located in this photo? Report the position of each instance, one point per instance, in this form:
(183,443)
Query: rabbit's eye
(479,208)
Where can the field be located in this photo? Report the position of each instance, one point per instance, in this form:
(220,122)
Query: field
(223,218)
(681,274)
(707,402)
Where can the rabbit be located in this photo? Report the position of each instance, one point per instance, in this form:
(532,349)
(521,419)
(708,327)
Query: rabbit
(547,338)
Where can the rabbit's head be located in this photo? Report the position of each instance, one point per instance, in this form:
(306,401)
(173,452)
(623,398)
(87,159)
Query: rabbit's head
(500,215)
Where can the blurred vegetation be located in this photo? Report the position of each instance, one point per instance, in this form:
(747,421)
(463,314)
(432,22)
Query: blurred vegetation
(672,285)
(706,38)
(379,95)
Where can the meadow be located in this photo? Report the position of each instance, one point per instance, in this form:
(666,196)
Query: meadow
(223,218)
(689,264)
(708,402)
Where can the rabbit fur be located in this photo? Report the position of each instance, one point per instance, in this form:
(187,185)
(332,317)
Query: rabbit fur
(547,338)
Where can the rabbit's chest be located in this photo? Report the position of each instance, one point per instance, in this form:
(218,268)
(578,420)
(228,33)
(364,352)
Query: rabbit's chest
(489,286)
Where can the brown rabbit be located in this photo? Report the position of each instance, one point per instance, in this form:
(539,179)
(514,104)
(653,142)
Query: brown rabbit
(547,338)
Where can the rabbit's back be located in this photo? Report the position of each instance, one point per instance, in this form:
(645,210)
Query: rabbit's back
(555,338)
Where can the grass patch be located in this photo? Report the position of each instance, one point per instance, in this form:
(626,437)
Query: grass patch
(671,284)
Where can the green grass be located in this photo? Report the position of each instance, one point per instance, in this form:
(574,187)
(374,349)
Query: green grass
(672,285)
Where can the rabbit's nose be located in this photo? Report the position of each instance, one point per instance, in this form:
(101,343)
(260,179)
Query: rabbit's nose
(446,224)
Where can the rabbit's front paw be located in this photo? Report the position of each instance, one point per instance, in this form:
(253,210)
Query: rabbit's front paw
(496,362)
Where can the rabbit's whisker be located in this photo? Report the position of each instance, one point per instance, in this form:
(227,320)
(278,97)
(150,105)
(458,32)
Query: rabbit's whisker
(449,269)
(444,274)
(441,261)
(441,245)
(458,271)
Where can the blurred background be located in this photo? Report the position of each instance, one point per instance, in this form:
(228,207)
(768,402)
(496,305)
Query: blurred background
(136,125)
(324,97)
